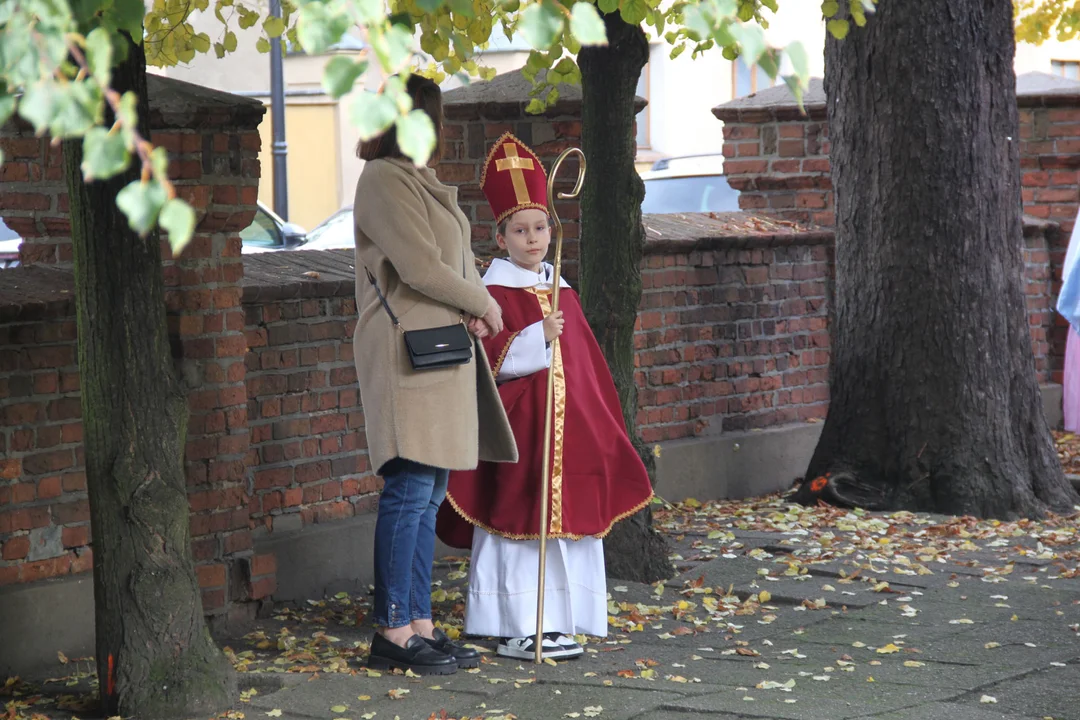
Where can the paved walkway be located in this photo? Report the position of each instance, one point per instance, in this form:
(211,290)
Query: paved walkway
(779,612)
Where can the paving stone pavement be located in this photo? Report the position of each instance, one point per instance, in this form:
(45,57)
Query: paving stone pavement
(890,623)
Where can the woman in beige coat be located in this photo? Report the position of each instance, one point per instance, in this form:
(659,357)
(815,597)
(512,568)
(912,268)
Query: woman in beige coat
(415,241)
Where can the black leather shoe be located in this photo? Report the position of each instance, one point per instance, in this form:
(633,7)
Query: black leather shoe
(466,657)
(417,656)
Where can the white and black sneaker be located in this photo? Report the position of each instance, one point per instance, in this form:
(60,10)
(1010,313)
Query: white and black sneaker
(565,642)
(524,648)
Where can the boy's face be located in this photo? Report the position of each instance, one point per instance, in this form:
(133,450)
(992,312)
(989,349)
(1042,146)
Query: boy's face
(527,238)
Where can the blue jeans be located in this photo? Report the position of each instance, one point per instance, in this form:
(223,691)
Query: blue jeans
(405,541)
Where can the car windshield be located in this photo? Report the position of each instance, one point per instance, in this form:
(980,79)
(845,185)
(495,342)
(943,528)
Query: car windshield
(696,194)
(262,232)
(335,232)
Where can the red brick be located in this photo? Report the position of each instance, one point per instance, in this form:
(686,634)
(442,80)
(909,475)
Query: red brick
(16,548)
(22,414)
(42,463)
(71,513)
(25,201)
(213,600)
(210,575)
(49,488)
(76,536)
(238,542)
(10,468)
(43,569)
(263,565)
(264,587)
(279,477)
(74,482)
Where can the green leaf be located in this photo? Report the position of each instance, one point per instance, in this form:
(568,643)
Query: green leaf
(540,23)
(463,8)
(416,136)
(634,12)
(36,105)
(159,162)
(429,5)
(201,42)
(248,18)
(586,25)
(99,55)
(393,47)
(340,75)
(141,202)
(369,11)
(678,50)
(770,63)
(128,115)
(800,63)
(128,15)
(104,154)
(229,41)
(535,106)
(219,50)
(838,28)
(608,6)
(178,219)
(273,26)
(7,105)
(751,39)
(372,113)
(699,25)
(829,8)
(262,45)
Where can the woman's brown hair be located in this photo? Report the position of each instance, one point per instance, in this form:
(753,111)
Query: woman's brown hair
(425,96)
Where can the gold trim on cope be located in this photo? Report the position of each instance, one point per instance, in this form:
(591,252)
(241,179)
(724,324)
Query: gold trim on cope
(556,524)
(536,536)
(502,355)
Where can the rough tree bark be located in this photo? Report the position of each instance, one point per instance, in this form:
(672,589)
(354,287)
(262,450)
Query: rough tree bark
(613,241)
(935,403)
(154,653)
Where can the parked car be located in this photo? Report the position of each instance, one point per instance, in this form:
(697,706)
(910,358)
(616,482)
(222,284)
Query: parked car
(9,246)
(333,233)
(268,232)
(690,184)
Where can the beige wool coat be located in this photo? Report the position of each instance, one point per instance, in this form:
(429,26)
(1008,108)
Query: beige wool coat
(415,240)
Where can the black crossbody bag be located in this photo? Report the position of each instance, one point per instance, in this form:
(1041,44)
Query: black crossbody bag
(433,348)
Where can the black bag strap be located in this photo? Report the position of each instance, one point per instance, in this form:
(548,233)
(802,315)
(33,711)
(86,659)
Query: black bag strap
(386,305)
(382,299)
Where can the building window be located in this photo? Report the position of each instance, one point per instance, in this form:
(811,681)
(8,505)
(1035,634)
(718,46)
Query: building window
(1066,68)
(643,116)
(746,80)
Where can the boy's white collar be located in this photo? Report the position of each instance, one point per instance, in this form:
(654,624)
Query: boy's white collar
(506,274)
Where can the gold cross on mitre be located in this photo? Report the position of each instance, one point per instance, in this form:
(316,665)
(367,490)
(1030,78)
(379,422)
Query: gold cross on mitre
(515,164)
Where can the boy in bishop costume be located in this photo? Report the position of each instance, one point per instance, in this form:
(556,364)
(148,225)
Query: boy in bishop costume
(597,477)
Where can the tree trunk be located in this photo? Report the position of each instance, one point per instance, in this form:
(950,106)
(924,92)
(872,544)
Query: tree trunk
(935,403)
(154,654)
(613,241)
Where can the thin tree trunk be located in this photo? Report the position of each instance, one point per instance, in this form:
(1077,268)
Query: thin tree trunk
(612,244)
(154,654)
(935,403)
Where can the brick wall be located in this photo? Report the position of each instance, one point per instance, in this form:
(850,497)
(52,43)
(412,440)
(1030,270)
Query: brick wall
(44,516)
(213,143)
(308,451)
(778,158)
(733,330)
